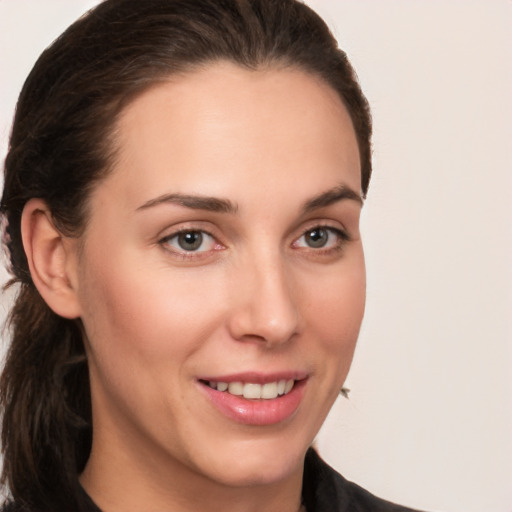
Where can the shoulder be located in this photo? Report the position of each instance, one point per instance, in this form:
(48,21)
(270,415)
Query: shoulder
(325,490)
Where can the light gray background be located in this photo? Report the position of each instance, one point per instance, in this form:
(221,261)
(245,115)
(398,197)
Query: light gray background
(429,421)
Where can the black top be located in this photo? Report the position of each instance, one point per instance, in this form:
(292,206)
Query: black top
(324,490)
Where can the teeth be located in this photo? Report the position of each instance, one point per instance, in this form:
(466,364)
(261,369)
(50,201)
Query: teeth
(269,390)
(236,388)
(253,391)
(222,386)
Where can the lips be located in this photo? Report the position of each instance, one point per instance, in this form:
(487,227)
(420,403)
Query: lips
(254,399)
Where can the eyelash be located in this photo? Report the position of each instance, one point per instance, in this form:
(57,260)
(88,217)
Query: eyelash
(341,238)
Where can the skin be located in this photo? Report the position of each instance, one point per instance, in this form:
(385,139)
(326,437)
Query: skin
(254,297)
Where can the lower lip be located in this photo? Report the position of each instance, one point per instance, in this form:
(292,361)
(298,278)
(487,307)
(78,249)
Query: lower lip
(256,412)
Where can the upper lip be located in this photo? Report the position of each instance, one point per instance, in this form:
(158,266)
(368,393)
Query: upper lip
(256,377)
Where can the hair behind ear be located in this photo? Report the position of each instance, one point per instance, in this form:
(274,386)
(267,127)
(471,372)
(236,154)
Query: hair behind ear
(44,393)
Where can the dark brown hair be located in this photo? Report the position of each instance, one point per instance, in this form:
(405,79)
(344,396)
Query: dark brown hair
(62,144)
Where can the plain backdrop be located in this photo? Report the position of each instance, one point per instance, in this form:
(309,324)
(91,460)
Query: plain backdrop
(429,420)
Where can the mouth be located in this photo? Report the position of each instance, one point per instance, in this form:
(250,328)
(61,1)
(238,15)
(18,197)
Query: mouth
(254,390)
(255,399)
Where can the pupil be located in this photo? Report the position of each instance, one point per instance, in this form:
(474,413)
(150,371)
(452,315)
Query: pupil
(317,238)
(190,241)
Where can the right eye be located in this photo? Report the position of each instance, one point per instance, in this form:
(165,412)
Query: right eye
(190,241)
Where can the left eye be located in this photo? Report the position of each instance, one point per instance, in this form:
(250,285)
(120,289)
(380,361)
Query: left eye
(320,237)
(191,241)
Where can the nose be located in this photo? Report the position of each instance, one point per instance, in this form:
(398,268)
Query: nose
(264,306)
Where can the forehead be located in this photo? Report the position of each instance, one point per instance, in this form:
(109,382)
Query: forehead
(225,126)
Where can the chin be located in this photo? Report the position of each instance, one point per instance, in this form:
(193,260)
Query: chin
(254,463)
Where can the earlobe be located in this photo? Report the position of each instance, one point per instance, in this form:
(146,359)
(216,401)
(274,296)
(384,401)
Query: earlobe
(51,259)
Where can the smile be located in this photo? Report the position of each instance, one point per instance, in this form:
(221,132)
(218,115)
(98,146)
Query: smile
(256,399)
(255,391)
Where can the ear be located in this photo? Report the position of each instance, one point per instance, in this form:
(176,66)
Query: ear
(51,259)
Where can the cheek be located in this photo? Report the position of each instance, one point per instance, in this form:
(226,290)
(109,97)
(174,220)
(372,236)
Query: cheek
(146,314)
(143,332)
(337,300)
(335,309)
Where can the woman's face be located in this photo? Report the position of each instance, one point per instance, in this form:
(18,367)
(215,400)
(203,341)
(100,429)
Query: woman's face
(223,251)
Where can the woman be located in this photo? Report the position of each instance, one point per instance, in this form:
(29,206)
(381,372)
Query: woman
(182,199)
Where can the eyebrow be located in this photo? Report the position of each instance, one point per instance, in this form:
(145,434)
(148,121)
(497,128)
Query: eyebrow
(219,205)
(330,197)
(211,204)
